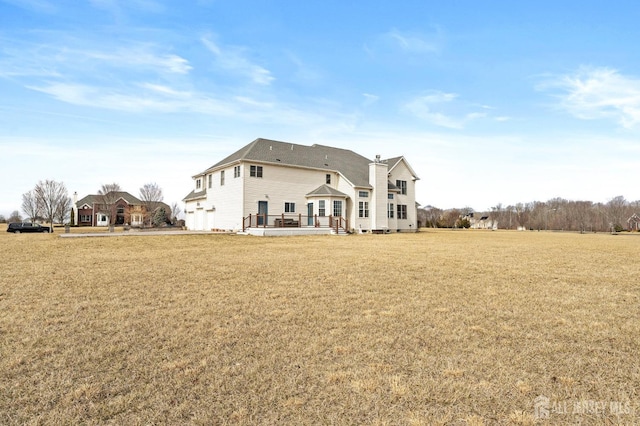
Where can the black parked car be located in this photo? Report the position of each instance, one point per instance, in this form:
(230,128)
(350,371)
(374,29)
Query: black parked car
(17,228)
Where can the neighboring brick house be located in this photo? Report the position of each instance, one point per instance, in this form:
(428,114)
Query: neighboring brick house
(128,210)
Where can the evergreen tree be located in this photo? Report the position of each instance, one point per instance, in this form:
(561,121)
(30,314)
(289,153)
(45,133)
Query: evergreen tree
(160,217)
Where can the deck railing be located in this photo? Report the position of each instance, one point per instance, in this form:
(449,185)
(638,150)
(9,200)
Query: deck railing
(295,221)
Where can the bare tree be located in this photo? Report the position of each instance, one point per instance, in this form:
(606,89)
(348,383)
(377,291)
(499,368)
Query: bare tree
(64,210)
(583,215)
(50,195)
(15,217)
(450,218)
(151,196)
(617,211)
(175,212)
(31,205)
(108,196)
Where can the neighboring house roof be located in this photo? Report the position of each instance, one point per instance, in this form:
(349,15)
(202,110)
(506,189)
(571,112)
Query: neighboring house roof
(354,167)
(97,199)
(93,199)
(326,190)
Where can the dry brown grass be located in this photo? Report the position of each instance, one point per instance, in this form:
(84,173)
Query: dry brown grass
(432,328)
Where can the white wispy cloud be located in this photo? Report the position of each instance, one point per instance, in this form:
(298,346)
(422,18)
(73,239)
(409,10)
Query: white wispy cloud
(71,58)
(42,6)
(412,42)
(136,56)
(424,107)
(234,59)
(370,99)
(117,7)
(303,72)
(447,110)
(93,96)
(598,93)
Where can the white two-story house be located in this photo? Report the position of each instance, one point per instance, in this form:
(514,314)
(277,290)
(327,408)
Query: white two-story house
(271,184)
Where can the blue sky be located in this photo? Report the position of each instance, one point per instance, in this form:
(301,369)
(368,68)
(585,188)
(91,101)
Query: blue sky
(491,102)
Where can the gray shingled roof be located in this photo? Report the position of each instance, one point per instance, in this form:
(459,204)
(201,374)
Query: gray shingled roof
(195,195)
(326,190)
(391,162)
(391,187)
(95,198)
(352,166)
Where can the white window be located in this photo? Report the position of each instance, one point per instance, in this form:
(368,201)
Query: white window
(321,208)
(222,178)
(390,196)
(337,208)
(390,210)
(236,171)
(289,207)
(402,184)
(209,178)
(363,194)
(363,209)
(402,211)
(198,184)
(327,179)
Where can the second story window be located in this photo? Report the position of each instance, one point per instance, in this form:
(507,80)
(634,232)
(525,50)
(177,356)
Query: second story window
(222,178)
(236,171)
(255,171)
(363,194)
(327,179)
(198,183)
(209,181)
(402,185)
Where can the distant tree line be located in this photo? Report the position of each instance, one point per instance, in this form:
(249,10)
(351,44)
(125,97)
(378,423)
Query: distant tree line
(554,214)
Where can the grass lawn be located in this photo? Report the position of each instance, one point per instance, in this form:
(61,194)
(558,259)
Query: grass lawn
(439,327)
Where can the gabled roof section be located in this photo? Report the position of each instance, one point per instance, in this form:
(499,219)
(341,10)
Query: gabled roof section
(354,167)
(393,162)
(327,191)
